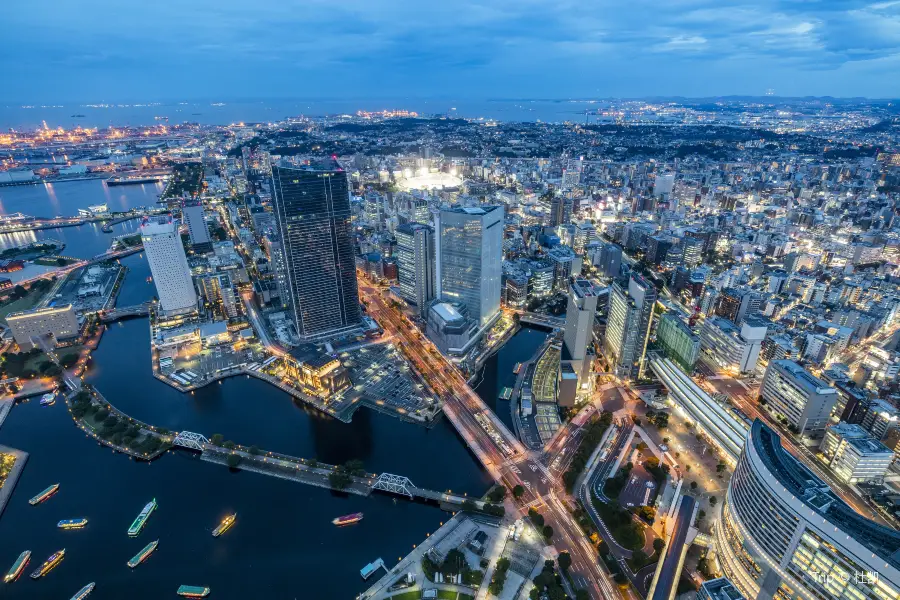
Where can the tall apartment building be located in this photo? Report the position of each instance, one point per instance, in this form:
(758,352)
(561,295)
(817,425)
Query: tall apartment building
(168,265)
(730,348)
(469,249)
(881,418)
(804,400)
(678,342)
(312,205)
(735,304)
(54,323)
(415,264)
(628,326)
(194,217)
(854,455)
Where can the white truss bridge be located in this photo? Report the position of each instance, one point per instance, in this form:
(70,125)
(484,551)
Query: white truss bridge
(190,440)
(402,486)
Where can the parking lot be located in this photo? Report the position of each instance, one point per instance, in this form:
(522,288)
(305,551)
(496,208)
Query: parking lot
(382,378)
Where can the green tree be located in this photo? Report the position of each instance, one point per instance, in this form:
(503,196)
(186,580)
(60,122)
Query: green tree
(548,532)
(713,500)
(536,517)
(233,461)
(693,485)
(518,492)
(355,467)
(564,560)
(339,479)
(254,451)
(216,439)
(639,559)
(582,594)
(658,545)
(229,445)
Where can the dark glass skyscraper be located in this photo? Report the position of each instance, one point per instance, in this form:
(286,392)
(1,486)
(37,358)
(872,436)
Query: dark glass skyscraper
(312,205)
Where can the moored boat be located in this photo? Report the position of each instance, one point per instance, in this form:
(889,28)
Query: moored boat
(72,523)
(225,525)
(84,592)
(143,554)
(49,564)
(348,519)
(44,495)
(48,399)
(17,567)
(141,519)
(193,591)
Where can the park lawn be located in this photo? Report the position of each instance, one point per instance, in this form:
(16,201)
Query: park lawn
(447,594)
(7,462)
(466,597)
(29,301)
(414,595)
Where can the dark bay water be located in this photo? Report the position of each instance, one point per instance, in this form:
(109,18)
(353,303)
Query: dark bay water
(283,545)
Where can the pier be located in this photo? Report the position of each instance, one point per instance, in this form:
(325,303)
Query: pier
(13,477)
(371,568)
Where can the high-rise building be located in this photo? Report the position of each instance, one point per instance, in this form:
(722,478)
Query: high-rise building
(168,265)
(469,249)
(729,348)
(628,326)
(609,261)
(854,455)
(195,219)
(657,248)
(577,337)
(560,211)
(692,251)
(735,304)
(792,391)
(218,290)
(415,264)
(312,205)
(785,534)
(53,323)
(677,341)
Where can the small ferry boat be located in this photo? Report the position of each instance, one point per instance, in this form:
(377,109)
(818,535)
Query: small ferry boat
(44,495)
(72,523)
(84,592)
(48,399)
(17,567)
(518,368)
(143,554)
(348,519)
(49,564)
(225,525)
(141,519)
(193,591)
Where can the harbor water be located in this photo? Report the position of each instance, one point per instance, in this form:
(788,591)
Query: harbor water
(282,545)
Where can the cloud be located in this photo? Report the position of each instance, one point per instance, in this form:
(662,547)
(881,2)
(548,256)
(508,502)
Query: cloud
(475,47)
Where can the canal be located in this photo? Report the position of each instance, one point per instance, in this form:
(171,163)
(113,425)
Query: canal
(497,371)
(283,544)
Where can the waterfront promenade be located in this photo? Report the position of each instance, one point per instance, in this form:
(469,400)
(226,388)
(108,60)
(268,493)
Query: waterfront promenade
(13,477)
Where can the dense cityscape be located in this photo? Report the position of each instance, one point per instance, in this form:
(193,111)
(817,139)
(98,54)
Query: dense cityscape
(662,336)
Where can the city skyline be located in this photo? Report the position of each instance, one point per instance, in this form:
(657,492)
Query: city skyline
(691,48)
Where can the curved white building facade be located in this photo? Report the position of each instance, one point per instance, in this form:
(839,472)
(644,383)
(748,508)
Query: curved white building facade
(785,534)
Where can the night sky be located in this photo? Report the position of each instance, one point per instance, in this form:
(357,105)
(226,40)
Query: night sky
(117,51)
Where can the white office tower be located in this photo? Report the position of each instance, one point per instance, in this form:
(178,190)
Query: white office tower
(628,326)
(168,264)
(469,248)
(195,219)
(664,184)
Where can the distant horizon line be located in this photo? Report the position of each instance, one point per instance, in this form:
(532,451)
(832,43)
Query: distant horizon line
(29,104)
